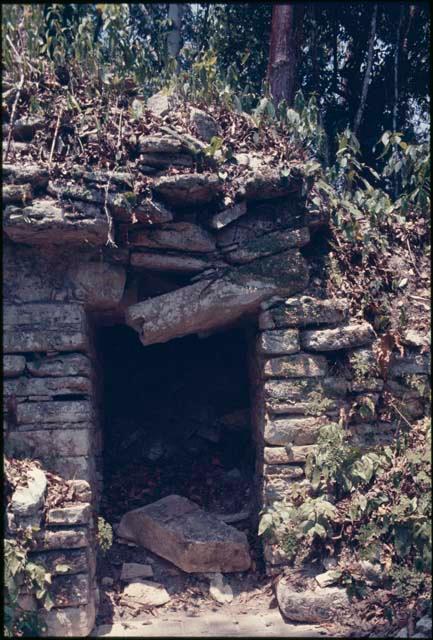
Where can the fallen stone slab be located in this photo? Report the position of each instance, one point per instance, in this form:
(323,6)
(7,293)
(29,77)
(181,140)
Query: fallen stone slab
(188,189)
(310,606)
(299,365)
(145,593)
(133,570)
(179,531)
(179,236)
(47,222)
(206,305)
(302,311)
(344,337)
(13,365)
(27,500)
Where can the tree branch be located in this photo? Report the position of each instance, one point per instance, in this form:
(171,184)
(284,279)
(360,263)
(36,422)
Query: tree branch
(367,75)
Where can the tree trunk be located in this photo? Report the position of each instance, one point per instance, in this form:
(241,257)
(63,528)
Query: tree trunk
(173,38)
(395,105)
(284,50)
(367,76)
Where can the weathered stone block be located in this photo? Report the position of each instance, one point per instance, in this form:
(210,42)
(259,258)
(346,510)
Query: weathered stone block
(311,606)
(151,212)
(47,222)
(57,411)
(284,455)
(181,190)
(268,244)
(288,472)
(309,396)
(300,365)
(265,183)
(302,311)
(46,540)
(205,126)
(344,337)
(27,173)
(72,467)
(16,194)
(293,431)
(194,540)
(70,590)
(277,488)
(75,514)
(97,284)
(74,364)
(45,443)
(13,365)
(166,262)
(28,499)
(82,491)
(44,327)
(279,342)
(69,622)
(62,561)
(223,218)
(47,386)
(179,236)
(410,364)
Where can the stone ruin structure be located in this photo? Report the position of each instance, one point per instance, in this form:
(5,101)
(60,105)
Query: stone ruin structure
(181,263)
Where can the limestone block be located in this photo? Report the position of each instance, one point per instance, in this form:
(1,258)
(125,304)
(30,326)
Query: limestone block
(97,284)
(57,411)
(303,311)
(179,236)
(268,244)
(409,364)
(44,327)
(45,442)
(264,182)
(75,514)
(73,364)
(26,173)
(416,339)
(299,365)
(27,500)
(277,488)
(46,540)
(181,190)
(343,337)
(62,561)
(287,472)
(310,606)
(205,126)
(145,593)
(70,590)
(71,467)
(47,386)
(166,262)
(120,204)
(69,622)
(299,431)
(165,160)
(47,222)
(223,218)
(279,342)
(16,194)
(13,365)
(288,272)
(82,491)
(133,570)
(150,212)
(310,396)
(289,453)
(261,219)
(179,531)
(161,104)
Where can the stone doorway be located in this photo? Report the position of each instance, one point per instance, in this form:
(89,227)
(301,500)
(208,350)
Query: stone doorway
(175,419)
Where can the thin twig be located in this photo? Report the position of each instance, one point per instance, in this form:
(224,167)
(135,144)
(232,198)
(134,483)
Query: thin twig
(412,258)
(11,124)
(119,137)
(55,137)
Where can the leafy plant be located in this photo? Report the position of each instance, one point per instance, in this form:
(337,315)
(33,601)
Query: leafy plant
(104,535)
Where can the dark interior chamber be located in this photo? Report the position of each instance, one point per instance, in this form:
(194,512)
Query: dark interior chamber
(176,419)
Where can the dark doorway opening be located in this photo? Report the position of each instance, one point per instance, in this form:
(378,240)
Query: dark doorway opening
(176,419)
